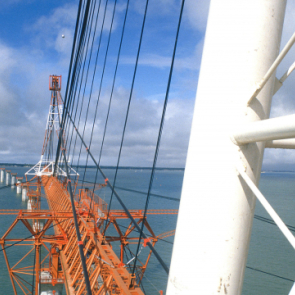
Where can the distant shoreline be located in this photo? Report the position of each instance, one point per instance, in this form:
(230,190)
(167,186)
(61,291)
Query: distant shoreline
(135,167)
(103,167)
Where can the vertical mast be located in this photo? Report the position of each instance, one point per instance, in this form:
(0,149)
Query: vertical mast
(217,207)
(54,116)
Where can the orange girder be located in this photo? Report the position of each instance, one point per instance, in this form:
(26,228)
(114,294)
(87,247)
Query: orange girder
(106,273)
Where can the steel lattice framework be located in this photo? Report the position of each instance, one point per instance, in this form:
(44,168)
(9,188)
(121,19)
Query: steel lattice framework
(54,230)
(107,272)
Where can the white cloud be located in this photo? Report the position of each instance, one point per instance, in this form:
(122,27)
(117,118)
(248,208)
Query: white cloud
(10,3)
(191,62)
(158,61)
(19,132)
(156,6)
(7,60)
(24,94)
(196,11)
(141,132)
(26,98)
(46,33)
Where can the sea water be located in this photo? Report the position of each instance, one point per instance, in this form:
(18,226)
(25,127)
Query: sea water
(269,251)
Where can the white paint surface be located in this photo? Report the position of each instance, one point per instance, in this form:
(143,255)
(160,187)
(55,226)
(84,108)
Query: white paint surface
(216,208)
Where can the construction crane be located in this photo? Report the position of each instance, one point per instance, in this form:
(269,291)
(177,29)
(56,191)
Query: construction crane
(53,231)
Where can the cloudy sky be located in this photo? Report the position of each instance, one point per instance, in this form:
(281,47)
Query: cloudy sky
(31,49)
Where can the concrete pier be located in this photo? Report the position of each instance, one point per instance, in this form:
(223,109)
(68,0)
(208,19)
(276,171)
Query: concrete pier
(19,186)
(2,174)
(38,226)
(24,193)
(13,180)
(29,205)
(8,176)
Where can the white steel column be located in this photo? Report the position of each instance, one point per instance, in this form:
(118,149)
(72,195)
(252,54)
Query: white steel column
(270,129)
(281,144)
(216,209)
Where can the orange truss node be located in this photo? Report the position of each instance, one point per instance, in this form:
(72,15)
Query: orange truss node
(20,273)
(54,83)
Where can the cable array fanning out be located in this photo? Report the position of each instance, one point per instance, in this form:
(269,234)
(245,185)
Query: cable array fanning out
(78,77)
(94,119)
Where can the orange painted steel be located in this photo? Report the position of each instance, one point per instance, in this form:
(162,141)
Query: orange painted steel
(166,234)
(33,240)
(106,272)
(54,83)
(139,213)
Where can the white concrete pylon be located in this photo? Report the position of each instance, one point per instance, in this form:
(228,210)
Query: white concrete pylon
(216,208)
(30,205)
(24,193)
(19,187)
(38,224)
(8,175)
(2,174)
(13,179)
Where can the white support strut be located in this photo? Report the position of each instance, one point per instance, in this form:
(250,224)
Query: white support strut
(279,83)
(273,68)
(270,129)
(281,144)
(276,218)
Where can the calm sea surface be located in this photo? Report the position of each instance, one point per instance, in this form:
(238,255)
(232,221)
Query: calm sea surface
(269,250)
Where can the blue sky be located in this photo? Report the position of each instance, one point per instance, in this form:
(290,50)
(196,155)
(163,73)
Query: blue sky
(31,49)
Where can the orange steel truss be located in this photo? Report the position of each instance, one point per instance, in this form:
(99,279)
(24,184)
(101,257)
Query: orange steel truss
(54,231)
(21,272)
(108,273)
